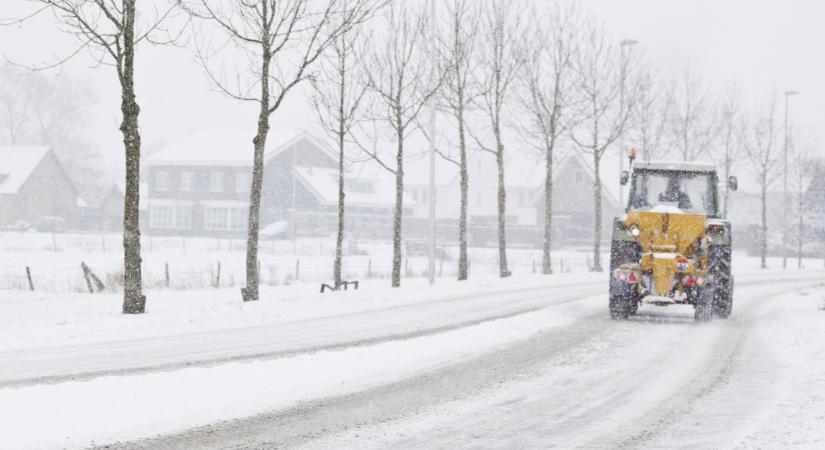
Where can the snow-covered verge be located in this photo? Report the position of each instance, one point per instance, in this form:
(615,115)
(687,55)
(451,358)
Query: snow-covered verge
(115,408)
(30,320)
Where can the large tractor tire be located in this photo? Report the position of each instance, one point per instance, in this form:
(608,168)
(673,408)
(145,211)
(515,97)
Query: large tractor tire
(719,269)
(623,297)
(704,304)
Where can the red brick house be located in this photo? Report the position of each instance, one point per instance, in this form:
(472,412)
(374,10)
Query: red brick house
(34,184)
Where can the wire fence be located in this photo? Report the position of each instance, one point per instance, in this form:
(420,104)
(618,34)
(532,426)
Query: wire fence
(72,262)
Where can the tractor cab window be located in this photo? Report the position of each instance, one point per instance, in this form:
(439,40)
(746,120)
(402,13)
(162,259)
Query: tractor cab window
(669,191)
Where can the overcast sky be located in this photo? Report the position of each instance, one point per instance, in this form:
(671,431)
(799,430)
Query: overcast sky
(761,44)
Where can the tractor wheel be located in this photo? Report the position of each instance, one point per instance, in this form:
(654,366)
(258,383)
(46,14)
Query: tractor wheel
(704,304)
(719,269)
(623,297)
(620,303)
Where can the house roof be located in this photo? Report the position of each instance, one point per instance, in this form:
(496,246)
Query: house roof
(569,157)
(373,190)
(224,148)
(16,165)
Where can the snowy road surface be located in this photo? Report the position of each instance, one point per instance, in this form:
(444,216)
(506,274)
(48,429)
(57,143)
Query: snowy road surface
(519,367)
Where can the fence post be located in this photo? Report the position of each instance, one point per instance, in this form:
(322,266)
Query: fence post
(29,277)
(54,243)
(103,242)
(218,276)
(297,268)
(440,267)
(166,271)
(407,266)
(534,265)
(369,268)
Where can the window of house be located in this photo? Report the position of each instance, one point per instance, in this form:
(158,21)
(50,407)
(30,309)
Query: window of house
(242,182)
(216,218)
(170,217)
(187,182)
(579,178)
(162,181)
(162,216)
(183,217)
(216,182)
(237,218)
(223,218)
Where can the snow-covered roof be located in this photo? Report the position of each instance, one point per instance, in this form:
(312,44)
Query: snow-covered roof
(16,165)
(223,148)
(676,165)
(373,190)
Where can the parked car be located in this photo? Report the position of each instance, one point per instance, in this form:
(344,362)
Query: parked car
(49,224)
(20,225)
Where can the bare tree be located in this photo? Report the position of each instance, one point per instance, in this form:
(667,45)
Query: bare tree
(282,40)
(763,153)
(400,83)
(731,129)
(601,78)
(501,56)
(802,171)
(650,119)
(549,95)
(337,96)
(456,47)
(693,125)
(112,31)
(17,100)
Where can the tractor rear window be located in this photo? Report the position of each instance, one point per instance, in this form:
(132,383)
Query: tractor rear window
(672,191)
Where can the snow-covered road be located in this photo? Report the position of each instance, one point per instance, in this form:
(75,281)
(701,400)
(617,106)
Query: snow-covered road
(525,363)
(655,381)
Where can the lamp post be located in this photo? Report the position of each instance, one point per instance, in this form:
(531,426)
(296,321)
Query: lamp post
(431,187)
(622,44)
(786,198)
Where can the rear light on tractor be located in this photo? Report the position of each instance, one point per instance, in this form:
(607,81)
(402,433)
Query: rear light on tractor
(632,277)
(697,281)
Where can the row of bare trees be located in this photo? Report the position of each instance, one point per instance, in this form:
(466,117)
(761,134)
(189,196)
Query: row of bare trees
(543,75)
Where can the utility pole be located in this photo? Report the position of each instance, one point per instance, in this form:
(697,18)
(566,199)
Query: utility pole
(786,198)
(431,195)
(623,67)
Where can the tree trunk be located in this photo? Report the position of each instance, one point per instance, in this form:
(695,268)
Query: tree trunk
(250,292)
(763,244)
(503,270)
(339,239)
(597,213)
(546,261)
(134,302)
(399,210)
(726,197)
(801,230)
(464,186)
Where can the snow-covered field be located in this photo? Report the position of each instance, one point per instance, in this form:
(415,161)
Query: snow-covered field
(192,263)
(531,361)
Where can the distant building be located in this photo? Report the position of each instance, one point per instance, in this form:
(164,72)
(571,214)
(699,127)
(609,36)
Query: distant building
(200,185)
(34,184)
(573,202)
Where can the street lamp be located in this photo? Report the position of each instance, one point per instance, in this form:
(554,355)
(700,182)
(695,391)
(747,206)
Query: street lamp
(786,198)
(622,44)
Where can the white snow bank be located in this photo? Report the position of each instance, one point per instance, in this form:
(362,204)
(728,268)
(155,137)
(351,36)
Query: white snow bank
(117,408)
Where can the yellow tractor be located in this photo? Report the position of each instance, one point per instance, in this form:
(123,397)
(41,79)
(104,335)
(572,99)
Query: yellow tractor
(671,246)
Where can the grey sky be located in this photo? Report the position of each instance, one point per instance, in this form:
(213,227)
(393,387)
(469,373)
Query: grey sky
(760,44)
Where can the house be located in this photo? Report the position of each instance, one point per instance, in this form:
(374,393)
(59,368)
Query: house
(520,177)
(573,201)
(200,185)
(34,184)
